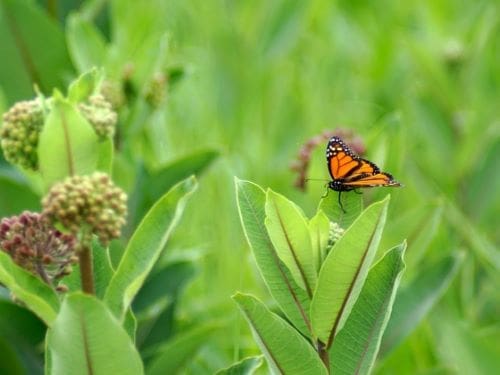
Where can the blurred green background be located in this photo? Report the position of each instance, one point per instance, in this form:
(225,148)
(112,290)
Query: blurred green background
(418,82)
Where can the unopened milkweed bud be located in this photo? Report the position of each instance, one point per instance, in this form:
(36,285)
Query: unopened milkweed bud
(100,114)
(21,126)
(90,203)
(34,244)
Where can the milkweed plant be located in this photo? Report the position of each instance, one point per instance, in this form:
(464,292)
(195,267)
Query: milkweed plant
(56,262)
(334,299)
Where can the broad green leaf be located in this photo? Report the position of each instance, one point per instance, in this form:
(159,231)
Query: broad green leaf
(38,296)
(87,46)
(105,152)
(344,272)
(23,332)
(33,50)
(12,188)
(356,346)
(319,229)
(246,366)
(150,186)
(180,350)
(352,203)
(285,349)
(288,230)
(290,297)
(146,245)
(68,144)
(84,86)
(414,301)
(87,339)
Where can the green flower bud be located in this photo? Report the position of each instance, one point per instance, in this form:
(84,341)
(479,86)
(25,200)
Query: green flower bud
(100,114)
(19,133)
(335,233)
(156,90)
(88,203)
(36,246)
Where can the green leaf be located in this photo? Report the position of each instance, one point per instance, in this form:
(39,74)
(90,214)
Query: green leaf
(86,45)
(285,349)
(146,245)
(288,230)
(38,296)
(290,297)
(152,185)
(246,366)
(414,301)
(23,331)
(352,203)
(84,86)
(105,154)
(68,144)
(356,346)
(21,197)
(174,355)
(33,50)
(319,229)
(344,272)
(87,339)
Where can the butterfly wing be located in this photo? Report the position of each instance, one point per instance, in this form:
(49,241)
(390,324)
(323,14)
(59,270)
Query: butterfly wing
(343,163)
(374,180)
(352,171)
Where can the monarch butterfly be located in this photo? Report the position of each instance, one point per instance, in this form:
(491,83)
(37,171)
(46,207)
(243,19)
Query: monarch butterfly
(349,171)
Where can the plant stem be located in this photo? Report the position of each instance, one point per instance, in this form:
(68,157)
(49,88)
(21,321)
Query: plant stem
(86,271)
(323,354)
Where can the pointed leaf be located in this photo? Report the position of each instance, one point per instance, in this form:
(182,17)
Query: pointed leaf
(146,245)
(289,233)
(86,45)
(290,297)
(246,366)
(87,339)
(414,301)
(352,203)
(84,86)
(38,296)
(177,352)
(285,349)
(68,144)
(356,346)
(319,229)
(344,272)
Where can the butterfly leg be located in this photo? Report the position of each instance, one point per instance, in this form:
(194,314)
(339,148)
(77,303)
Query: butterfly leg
(340,203)
(357,192)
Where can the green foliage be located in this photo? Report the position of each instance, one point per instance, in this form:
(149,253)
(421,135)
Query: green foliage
(85,338)
(345,292)
(246,83)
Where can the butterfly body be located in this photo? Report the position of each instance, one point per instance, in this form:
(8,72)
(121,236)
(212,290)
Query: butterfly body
(350,172)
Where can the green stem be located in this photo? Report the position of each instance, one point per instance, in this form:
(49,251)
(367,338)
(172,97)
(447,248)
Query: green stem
(86,269)
(323,354)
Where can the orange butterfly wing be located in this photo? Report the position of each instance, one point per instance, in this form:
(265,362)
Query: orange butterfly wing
(353,171)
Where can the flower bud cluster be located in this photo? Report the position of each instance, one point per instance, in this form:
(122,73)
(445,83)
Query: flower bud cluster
(36,246)
(100,114)
(335,233)
(19,133)
(156,91)
(88,204)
